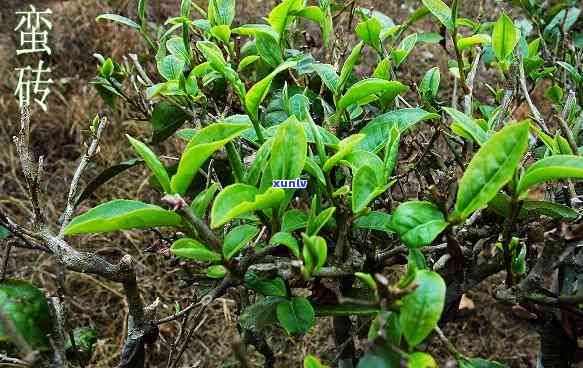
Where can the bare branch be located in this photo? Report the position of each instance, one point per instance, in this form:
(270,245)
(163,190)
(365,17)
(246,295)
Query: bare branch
(533,109)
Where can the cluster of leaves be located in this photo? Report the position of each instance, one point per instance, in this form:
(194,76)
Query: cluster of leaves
(278,114)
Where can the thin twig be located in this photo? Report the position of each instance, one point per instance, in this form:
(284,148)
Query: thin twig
(74,186)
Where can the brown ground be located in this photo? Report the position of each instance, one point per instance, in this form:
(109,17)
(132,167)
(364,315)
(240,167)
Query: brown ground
(490,332)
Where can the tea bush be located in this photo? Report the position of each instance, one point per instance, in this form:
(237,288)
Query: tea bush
(316,197)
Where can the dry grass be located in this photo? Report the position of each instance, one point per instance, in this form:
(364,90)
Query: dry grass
(59,135)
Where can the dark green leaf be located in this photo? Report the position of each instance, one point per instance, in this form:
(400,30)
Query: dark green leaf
(287,239)
(165,120)
(26,306)
(105,176)
(267,287)
(261,314)
(296,315)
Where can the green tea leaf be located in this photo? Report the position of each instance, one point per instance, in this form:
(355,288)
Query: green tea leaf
(490,169)
(286,239)
(418,223)
(216,271)
(477,39)
(504,37)
(379,129)
(400,54)
(345,147)
(312,13)
(281,16)
(293,219)
(313,169)
(391,153)
(193,249)
(422,308)
(367,279)
(466,127)
(268,48)
(221,33)
(366,87)
(441,11)
(315,224)
(202,200)
(365,188)
(430,82)
(237,238)
(311,361)
(252,29)
(119,19)
(259,164)
(191,160)
(346,70)
(237,199)
(153,163)
(175,46)
(247,61)
(551,168)
(221,12)
(261,314)
(227,130)
(259,91)
(213,54)
(314,252)
(171,67)
(287,160)
(107,68)
(359,158)
(374,220)
(265,286)
(370,32)
(200,147)
(121,214)
(421,360)
(328,75)
(296,315)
